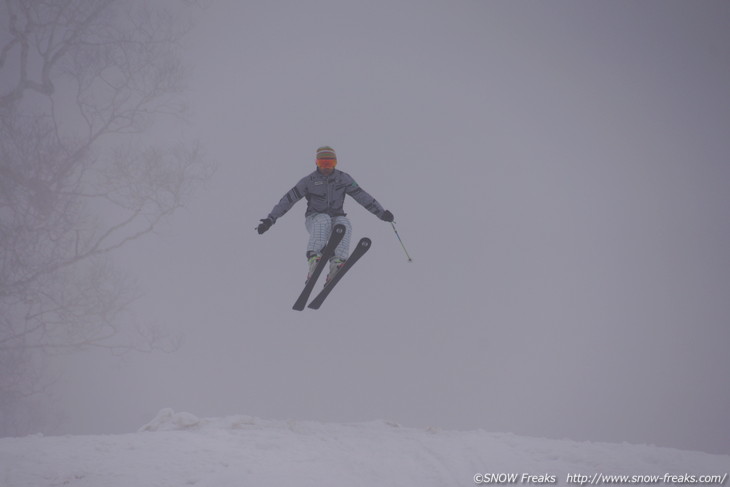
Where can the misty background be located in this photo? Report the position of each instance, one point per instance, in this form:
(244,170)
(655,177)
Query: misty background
(558,171)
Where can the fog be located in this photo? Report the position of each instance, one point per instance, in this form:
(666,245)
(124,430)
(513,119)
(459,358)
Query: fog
(558,171)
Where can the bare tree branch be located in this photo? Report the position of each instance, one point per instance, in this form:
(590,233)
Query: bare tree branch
(84,81)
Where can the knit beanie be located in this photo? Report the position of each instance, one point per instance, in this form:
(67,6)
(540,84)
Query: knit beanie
(326,152)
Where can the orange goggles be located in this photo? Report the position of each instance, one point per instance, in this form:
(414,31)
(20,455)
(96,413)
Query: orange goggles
(326,163)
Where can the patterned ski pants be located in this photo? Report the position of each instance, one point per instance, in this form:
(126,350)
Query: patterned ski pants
(319,226)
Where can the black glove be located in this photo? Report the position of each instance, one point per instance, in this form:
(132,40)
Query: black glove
(264,225)
(387,216)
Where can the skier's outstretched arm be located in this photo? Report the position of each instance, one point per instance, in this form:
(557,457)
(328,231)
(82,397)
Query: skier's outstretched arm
(368,202)
(284,205)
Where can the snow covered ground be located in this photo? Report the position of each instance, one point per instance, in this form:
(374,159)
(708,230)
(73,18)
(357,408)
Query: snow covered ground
(179,449)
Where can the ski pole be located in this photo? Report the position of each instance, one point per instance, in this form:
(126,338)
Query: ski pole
(401,242)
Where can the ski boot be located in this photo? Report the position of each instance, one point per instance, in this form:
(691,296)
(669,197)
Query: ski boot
(335,265)
(313,259)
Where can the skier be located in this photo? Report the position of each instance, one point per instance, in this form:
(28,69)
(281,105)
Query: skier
(325,191)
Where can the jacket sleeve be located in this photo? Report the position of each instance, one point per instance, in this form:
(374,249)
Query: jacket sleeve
(364,198)
(287,201)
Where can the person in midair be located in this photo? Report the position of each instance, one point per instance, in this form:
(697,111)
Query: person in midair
(325,191)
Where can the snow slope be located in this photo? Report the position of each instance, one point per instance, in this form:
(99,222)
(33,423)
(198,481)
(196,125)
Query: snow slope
(178,449)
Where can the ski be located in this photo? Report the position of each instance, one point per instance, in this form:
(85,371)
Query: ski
(362,246)
(329,250)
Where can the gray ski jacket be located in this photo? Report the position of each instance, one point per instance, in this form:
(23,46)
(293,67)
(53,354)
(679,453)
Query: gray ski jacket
(325,194)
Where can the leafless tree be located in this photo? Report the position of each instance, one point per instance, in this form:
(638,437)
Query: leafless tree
(81,175)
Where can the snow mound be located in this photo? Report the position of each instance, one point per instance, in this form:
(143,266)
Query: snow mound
(169,420)
(179,449)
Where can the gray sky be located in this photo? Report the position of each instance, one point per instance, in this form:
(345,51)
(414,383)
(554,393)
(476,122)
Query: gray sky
(558,170)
